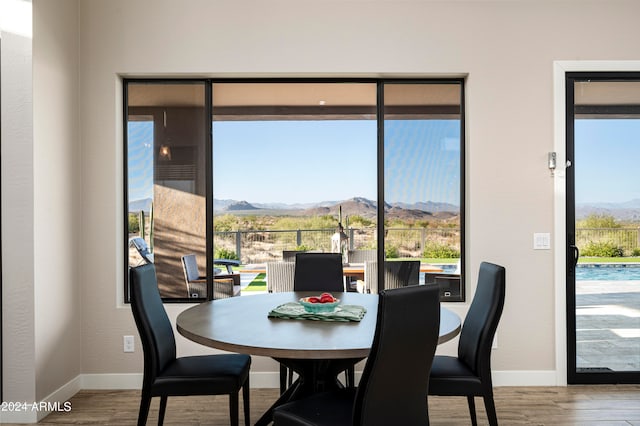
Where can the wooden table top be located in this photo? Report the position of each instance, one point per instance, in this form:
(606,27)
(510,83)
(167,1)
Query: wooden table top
(240,324)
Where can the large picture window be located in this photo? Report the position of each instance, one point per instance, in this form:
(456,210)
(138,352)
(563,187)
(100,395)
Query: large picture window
(228,176)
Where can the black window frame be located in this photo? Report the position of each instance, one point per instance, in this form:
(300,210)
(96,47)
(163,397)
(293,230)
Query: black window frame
(595,376)
(208,109)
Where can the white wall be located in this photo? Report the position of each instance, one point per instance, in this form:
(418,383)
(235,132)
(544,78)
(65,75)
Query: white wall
(40,202)
(57,207)
(505,48)
(17,208)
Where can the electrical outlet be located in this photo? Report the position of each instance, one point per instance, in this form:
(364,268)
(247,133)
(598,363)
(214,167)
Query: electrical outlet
(128,344)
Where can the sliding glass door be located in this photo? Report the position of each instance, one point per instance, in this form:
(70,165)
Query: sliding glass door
(603,223)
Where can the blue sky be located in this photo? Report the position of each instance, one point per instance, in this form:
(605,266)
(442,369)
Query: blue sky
(140,165)
(607,160)
(294,161)
(321,160)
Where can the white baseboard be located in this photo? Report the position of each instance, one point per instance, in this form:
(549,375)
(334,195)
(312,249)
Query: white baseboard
(271,379)
(34,411)
(257,379)
(525,378)
(112,381)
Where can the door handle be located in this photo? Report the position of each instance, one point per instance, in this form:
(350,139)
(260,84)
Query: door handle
(575,253)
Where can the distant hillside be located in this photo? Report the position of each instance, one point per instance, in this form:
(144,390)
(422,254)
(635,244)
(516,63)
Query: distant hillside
(430,206)
(628,211)
(240,206)
(137,205)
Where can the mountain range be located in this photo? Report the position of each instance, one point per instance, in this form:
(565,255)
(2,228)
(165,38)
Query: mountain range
(623,211)
(355,206)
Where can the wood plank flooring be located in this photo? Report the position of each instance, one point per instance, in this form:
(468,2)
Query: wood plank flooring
(604,405)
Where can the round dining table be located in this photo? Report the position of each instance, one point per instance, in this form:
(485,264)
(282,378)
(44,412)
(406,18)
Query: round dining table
(317,350)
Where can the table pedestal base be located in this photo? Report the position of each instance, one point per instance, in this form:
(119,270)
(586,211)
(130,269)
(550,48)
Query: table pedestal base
(314,375)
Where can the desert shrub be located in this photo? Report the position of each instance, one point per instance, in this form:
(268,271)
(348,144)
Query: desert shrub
(598,221)
(635,251)
(223,253)
(438,250)
(602,249)
(311,222)
(357,221)
(227,222)
(303,247)
(391,252)
(134,223)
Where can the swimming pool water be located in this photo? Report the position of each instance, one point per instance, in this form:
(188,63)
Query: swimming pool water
(608,272)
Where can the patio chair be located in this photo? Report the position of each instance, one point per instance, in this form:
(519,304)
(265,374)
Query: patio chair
(358,256)
(290,255)
(280,279)
(400,273)
(223,286)
(143,249)
(361,256)
(280,276)
(395,380)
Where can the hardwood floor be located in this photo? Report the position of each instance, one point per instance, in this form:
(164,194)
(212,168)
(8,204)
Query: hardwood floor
(574,405)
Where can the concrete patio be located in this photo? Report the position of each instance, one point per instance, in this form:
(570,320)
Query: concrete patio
(608,325)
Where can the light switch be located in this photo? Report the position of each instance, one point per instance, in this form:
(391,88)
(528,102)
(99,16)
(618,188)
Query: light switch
(541,241)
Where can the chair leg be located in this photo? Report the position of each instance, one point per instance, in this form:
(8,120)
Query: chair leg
(350,377)
(145,402)
(245,401)
(472,410)
(490,408)
(283,378)
(163,409)
(233,408)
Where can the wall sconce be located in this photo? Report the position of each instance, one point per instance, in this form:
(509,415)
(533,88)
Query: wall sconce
(165,152)
(552,162)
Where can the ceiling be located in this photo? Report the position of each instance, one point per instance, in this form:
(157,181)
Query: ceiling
(291,94)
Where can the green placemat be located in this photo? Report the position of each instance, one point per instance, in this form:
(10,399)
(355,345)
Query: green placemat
(294,310)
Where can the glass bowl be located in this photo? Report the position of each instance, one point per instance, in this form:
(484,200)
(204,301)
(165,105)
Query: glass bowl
(315,308)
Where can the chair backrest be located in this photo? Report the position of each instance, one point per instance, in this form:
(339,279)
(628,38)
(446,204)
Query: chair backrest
(318,272)
(154,327)
(280,276)
(395,381)
(371,277)
(481,322)
(143,249)
(227,263)
(190,267)
(361,256)
(401,273)
(290,255)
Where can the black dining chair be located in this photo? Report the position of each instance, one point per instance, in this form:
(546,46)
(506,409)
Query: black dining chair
(469,374)
(164,374)
(395,380)
(318,272)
